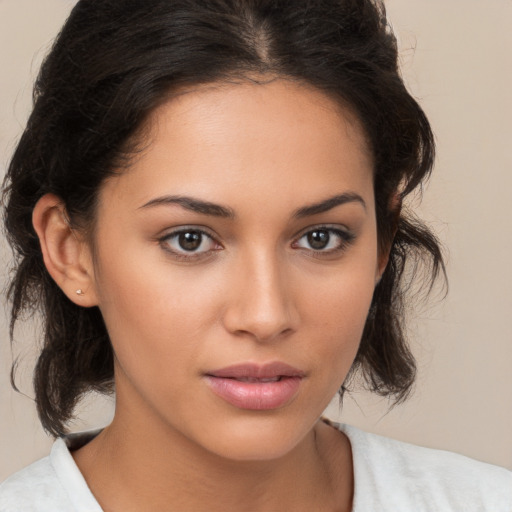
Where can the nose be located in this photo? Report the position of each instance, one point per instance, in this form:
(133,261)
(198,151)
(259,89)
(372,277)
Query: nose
(261,304)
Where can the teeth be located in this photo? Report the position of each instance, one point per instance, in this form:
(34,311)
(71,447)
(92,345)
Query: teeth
(254,379)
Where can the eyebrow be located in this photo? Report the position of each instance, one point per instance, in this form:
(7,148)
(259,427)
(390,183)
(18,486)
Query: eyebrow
(329,204)
(193,204)
(217,210)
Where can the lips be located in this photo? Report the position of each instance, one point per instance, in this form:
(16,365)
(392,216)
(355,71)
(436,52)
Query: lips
(256,387)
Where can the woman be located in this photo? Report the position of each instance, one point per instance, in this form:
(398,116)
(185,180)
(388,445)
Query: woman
(206,205)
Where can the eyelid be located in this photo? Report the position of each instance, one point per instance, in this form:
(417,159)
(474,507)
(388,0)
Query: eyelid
(327,226)
(169,231)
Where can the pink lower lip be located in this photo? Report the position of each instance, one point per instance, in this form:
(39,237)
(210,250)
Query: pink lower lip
(255,395)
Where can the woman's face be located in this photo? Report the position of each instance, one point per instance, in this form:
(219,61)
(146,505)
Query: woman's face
(234,265)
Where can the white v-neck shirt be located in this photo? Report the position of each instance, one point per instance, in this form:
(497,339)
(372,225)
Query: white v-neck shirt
(389,476)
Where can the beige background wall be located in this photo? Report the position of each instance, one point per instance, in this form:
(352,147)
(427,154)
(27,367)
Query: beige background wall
(457,60)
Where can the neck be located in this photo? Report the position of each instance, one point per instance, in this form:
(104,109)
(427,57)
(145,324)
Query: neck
(140,464)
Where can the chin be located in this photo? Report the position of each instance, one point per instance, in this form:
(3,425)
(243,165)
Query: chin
(256,439)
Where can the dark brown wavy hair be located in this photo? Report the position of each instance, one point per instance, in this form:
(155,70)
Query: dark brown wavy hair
(115,61)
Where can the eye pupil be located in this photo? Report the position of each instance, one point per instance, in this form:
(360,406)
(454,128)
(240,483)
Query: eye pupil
(318,239)
(190,240)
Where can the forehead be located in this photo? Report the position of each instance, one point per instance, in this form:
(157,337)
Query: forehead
(254,139)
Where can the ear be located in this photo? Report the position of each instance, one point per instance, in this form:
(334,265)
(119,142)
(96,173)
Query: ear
(66,255)
(395,208)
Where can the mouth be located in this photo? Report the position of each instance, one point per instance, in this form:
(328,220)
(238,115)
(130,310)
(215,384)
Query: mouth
(254,387)
(255,379)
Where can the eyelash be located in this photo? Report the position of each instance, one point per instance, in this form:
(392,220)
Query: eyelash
(345,238)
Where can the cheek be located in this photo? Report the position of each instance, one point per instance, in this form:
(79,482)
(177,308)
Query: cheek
(336,314)
(342,322)
(155,317)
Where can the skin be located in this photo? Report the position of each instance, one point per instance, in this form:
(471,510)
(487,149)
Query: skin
(256,291)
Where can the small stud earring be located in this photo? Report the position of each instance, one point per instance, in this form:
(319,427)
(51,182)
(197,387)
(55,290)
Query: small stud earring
(80,292)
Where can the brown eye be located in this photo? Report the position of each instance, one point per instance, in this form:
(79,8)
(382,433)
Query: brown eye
(318,239)
(190,240)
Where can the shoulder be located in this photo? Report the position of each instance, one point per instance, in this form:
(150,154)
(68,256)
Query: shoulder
(52,484)
(402,476)
(35,488)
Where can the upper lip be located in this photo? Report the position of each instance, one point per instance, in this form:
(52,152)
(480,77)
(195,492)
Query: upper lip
(257,371)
